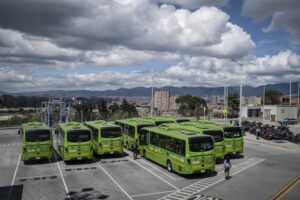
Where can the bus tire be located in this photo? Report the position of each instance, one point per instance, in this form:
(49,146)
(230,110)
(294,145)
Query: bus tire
(169,166)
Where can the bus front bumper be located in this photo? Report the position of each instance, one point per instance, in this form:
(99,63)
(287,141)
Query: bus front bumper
(37,156)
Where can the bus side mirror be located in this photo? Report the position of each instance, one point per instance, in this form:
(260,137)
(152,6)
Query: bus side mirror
(56,131)
(19,132)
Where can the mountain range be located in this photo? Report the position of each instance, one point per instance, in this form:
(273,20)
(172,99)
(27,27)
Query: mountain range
(146,92)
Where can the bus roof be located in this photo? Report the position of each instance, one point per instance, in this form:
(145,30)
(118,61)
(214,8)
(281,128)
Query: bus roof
(155,119)
(100,124)
(134,121)
(185,127)
(72,126)
(175,133)
(202,126)
(34,126)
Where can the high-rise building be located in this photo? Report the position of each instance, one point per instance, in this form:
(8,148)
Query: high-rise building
(162,100)
(173,105)
(214,100)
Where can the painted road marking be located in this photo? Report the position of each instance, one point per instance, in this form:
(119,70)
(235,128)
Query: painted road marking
(9,145)
(154,167)
(285,190)
(173,186)
(38,178)
(201,185)
(14,177)
(153,193)
(62,177)
(129,197)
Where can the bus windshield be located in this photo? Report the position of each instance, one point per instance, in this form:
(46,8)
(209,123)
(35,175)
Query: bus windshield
(216,134)
(232,132)
(37,135)
(157,123)
(139,127)
(111,132)
(79,136)
(201,144)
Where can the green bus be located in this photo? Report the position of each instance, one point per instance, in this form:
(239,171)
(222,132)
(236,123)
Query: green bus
(208,129)
(74,141)
(234,140)
(179,151)
(107,138)
(158,120)
(131,129)
(37,141)
(175,119)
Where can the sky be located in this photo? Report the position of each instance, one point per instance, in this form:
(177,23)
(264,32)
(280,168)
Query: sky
(111,44)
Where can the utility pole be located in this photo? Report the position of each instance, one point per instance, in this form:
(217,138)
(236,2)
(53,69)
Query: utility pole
(290,93)
(264,96)
(152,93)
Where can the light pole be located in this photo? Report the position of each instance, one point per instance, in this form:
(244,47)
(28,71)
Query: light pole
(264,96)
(152,90)
(290,93)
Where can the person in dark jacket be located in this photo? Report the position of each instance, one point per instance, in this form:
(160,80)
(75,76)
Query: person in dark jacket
(135,149)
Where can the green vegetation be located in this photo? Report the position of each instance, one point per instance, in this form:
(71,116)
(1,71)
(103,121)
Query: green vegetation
(272,97)
(191,106)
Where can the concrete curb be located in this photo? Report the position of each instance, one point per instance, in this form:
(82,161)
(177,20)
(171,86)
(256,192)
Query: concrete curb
(9,127)
(290,148)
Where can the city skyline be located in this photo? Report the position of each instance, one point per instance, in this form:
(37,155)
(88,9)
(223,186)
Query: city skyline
(104,44)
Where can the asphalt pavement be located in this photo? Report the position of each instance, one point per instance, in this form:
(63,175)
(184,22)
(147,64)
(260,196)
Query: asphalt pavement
(263,172)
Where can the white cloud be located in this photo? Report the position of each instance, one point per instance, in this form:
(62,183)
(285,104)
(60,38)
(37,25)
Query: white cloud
(194,4)
(285,15)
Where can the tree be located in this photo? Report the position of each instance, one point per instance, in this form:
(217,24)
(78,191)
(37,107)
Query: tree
(234,102)
(128,110)
(102,109)
(272,97)
(191,105)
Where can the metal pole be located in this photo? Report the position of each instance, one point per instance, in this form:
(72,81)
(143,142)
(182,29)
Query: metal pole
(241,99)
(290,93)
(298,91)
(152,95)
(224,99)
(264,94)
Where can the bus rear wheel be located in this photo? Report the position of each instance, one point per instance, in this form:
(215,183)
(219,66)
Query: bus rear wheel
(169,166)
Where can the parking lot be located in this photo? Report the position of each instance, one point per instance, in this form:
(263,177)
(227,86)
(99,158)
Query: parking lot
(260,174)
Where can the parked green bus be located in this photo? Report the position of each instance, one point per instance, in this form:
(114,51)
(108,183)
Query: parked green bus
(234,140)
(131,129)
(74,141)
(208,129)
(37,141)
(179,151)
(107,138)
(158,120)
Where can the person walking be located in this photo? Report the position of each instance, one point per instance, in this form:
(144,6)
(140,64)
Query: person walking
(135,149)
(257,133)
(227,166)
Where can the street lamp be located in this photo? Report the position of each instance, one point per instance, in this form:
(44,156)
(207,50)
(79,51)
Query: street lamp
(152,100)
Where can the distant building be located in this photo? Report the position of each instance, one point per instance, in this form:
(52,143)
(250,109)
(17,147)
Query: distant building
(251,100)
(285,99)
(162,100)
(272,112)
(173,105)
(214,100)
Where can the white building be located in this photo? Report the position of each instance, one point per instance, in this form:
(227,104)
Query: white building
(272,112)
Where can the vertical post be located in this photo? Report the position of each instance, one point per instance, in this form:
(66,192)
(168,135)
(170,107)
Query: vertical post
(264,96)
(298,92)
(152,100)
(241,99)
(290,93)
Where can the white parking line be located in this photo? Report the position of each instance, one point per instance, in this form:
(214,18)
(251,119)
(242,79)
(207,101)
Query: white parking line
(62,177)
(173,186)
(15,173)
(140,195)
(129,197)
(160,170)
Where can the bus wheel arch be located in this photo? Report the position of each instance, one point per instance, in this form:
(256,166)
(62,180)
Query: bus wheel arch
(169,166)
(144,153)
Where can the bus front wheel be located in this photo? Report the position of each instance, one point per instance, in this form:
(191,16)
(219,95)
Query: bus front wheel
(169,166)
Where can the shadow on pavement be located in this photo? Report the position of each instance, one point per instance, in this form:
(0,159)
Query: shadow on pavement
(86,194)
(11,192)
